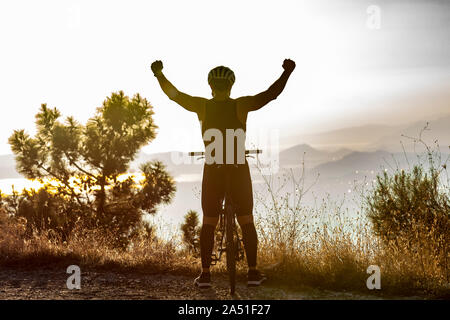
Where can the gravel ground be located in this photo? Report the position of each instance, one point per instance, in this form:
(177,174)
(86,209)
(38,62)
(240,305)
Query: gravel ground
(51,284)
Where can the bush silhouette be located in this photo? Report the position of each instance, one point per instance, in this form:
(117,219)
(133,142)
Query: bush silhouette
(80,166)
(191,231)
(412,206)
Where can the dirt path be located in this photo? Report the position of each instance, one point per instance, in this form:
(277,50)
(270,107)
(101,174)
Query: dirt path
(51,284)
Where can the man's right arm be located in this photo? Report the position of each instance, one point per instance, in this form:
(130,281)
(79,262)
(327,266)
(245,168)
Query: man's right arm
(252,103)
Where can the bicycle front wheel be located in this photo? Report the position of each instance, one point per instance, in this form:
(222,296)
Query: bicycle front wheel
(231,243)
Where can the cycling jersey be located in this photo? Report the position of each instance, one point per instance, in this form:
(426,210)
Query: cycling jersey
(220,125)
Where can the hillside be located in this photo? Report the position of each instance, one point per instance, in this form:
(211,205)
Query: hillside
(372,137)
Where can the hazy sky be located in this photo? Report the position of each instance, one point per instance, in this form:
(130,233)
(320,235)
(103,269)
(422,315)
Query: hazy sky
(72,54)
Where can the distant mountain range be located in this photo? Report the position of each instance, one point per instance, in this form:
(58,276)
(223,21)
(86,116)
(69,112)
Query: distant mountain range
(294,156)
(326,152)
(358,162)
(380,137)
(436,130)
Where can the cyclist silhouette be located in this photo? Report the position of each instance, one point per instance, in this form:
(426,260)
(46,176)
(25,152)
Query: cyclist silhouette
(221,113)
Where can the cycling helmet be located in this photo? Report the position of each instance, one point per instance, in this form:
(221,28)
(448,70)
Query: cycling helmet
(221,72)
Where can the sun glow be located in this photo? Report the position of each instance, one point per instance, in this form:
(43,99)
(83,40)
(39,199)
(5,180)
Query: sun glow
(8,186)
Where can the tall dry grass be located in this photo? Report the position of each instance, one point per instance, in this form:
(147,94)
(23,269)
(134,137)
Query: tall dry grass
(336,256)
(330,246)
(87,247)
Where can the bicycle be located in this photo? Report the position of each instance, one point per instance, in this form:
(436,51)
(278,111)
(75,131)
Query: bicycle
(234,247)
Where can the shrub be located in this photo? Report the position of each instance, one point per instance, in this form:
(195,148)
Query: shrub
(407,203)
(191,231)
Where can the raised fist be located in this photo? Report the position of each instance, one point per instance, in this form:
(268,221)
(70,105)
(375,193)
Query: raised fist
(288,65)
(157,67)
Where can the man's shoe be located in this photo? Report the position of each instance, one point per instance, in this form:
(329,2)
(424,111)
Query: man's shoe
(255,278)
(203,281)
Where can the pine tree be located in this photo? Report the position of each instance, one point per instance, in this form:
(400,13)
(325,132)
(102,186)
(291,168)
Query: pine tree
(86,161)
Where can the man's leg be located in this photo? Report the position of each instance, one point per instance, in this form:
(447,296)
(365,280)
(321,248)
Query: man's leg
(211,194)
(243,195)
(206,247)
(207,241)
(250,239)
(254,278)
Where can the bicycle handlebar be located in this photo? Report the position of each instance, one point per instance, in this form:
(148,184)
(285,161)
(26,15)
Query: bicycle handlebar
(253,151)
(202,153)
(196,153)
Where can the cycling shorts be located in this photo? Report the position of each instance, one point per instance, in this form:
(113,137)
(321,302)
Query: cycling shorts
(213,189)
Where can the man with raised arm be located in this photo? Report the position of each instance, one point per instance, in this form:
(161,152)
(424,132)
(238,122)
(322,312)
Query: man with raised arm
(223,114)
